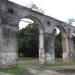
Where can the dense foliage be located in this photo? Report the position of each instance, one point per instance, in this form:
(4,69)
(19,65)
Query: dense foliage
(28,41)
(58,46)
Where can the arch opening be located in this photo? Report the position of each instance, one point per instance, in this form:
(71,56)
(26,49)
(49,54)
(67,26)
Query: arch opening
(61,43)
(31,28)
(58,43)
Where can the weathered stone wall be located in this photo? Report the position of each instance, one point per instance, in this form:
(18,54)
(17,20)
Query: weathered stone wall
(8,44)
(49,48)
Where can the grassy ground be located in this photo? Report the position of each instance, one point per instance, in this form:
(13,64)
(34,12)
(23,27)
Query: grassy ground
(25,63)
(60,62)
(33,61)
(14,70)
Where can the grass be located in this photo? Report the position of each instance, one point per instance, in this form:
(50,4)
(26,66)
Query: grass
(29,61)
(35,62)
(25,63)
(60,62)
(15,70)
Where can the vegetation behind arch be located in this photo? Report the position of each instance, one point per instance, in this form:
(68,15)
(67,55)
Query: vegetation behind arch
(28,41)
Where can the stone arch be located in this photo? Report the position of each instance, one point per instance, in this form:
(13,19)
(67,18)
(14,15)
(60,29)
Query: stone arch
(37,21)
(41,36)
(65,49)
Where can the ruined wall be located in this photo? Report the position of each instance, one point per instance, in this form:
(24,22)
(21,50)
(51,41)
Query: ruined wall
(8,56)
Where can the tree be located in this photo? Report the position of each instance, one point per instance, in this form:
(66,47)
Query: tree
(28,40)
(36,8)
(58,46)
(70,21)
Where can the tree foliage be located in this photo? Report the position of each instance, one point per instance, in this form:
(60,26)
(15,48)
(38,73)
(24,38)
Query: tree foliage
(58,46)
(36,8)
(28,41)
(70,21)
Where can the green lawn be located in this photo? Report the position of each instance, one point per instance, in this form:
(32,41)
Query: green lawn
(35,61)
(25,63)
(60,62)
(14,70)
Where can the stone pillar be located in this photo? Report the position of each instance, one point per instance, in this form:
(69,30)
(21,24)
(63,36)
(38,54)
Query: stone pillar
(8,41)
(46,48)
(49,48)
(65,47)
(68,47)
(41,49)
(71,54)
(8,52)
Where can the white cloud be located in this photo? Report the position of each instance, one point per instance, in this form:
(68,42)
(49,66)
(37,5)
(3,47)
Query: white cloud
(24,22)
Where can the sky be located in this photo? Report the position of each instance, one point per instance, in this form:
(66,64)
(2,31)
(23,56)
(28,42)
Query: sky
(59,9)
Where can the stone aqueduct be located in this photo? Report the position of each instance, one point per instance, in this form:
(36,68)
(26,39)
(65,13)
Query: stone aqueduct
(10,16)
